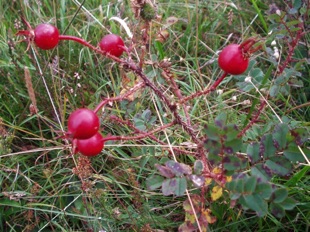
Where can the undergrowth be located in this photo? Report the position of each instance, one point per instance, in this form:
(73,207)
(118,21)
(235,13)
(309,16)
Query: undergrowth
(206,170)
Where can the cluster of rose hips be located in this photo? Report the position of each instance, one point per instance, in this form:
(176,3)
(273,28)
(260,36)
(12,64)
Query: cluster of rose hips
(84,124)
(46,37)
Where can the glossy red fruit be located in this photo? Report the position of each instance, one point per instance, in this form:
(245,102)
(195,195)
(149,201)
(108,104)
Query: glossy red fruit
(46,36)
(92,146)
(83,124)
(232,60)
(112,44)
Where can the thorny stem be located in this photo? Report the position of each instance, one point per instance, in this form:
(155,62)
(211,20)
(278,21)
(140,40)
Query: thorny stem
(138,137)
(166,74)
(291,46)
(138,71)
(262,105)
(130,125)
(206,91)
(172,107)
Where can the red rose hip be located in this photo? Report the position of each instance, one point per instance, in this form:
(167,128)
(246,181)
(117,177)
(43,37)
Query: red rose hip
(46,36)
(83,124)
(91,146)
(112,44)
(232,60)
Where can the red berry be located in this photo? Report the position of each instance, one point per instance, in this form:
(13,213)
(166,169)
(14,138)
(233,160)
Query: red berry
(112,44)
(92,146)
(232,60)
(83,124)
(46,36)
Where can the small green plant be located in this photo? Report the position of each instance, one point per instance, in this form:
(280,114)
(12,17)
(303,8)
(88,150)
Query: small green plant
(227,158)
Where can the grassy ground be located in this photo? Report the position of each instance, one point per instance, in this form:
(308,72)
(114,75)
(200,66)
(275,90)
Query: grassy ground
(40,188)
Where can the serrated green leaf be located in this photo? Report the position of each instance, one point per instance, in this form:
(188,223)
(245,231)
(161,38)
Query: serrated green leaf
(288,204)
(279,135)
(279,165)
(220,120)
(293,153)
(231,163)
(264,190)
(154,182)
(277,210)
(232,146)
(253,152)
(300,134)
(250,185)
(274,90)
(261,171)
(267,148)
(279,195)
(212,132)
(256,203)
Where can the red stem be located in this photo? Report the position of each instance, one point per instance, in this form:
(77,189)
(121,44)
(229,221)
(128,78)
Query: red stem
(212,88)
(138,137)
(87,44)
(262,105)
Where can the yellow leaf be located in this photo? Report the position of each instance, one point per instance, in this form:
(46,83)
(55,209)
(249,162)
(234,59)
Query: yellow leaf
(190,218)
(217,170)
(208,181)
(207,216)
(217,192)
(228,178)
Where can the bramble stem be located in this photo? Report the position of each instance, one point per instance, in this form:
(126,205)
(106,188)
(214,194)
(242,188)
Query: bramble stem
(262,105)
(208,90)
(138,137)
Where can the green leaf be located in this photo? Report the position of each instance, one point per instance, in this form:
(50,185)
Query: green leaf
(232,146)
(274,90)
(250,185)
(212,132)
(277,210)
(301,135)
(288,204)
(176,186)
(154,182)
(232,163)
(256,203)
(261,171)
(267,148)
(221,119)
(279,135)
(279,165)
(264,190)
(279,195)
(198,167)
(253,152)
(294,154)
